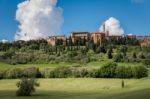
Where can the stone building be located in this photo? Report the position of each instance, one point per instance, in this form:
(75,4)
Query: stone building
(53,39)
(98,37)
(82,35)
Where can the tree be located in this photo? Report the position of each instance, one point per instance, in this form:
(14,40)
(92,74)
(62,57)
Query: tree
(118,57)
(123,49)
(100,49)
(110,54)
(141,56)
(26,87)
(108,70)
(134,55)
(5,46)
(146,62)
(90,53)
(70,41)
(33,46)
(140,71)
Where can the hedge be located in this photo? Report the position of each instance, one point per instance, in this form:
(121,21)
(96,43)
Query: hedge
(110,70)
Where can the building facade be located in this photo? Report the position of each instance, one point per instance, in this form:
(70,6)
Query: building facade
(97,37)
(52,40)
(82,35)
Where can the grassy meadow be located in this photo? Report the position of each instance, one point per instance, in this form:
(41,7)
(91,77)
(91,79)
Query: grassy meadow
(85,88)
(78,88)
(5,66)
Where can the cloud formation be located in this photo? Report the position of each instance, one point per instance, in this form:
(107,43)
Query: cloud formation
(112,25)
(38,19)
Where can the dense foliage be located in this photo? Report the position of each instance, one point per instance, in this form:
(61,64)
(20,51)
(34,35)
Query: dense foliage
(108,70)
(82,50)
(26,86)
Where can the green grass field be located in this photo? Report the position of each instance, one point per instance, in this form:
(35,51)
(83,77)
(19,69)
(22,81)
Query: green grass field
(5,66)
(78,88)
(85,88)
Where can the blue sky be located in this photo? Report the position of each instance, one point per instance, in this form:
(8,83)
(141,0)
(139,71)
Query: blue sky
(86,15)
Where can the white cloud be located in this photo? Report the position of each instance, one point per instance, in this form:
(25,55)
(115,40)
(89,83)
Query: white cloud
(38,19)
(112,25)
(4,41)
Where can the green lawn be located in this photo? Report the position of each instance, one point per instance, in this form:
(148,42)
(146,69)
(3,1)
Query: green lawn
(85,88)
(4,66)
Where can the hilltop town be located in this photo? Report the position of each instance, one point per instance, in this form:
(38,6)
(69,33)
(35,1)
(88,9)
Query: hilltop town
(96,37)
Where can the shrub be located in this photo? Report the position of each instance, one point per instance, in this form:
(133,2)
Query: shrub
(51,74)
(140,71)
(134,55)
(85,60)
(110,64)
(108,70)
(76,72)
(46,73)
(13,73)
(123,72)
(141,56)
(110,56)
(2,74)
(118,57)
(26,87)
(61,72)
(90,53)
(83,72)
(146,62)
(95,73)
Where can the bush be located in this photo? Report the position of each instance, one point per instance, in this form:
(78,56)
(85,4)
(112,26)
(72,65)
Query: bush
(123,72)
(46,73)
(51,74)
(95,73)
(134,55)
(118,57)
(110,56)
(146,62)
(140,71)
(76,72)
(83,72)
(141,56)
(26,87)
(108,70)
(2,74)
(61,72)
(13,73)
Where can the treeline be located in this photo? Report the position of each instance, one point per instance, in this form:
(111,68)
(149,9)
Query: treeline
(43,45)
(82,50)
(109,70)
